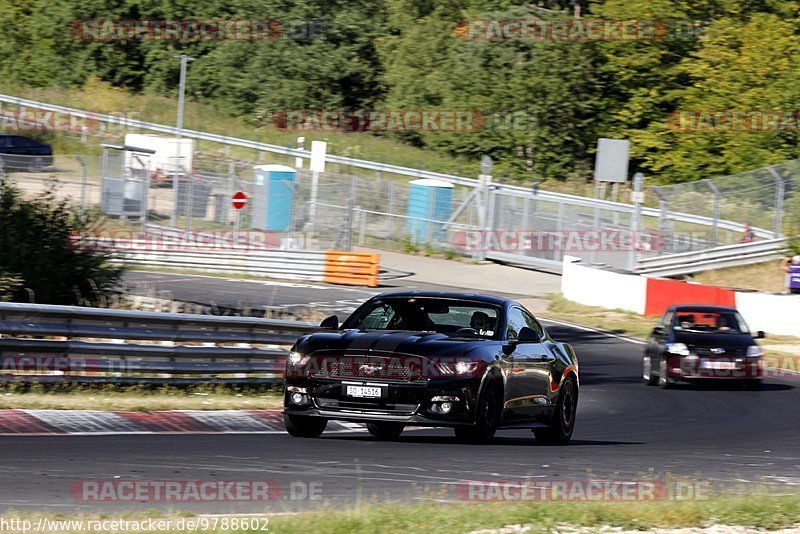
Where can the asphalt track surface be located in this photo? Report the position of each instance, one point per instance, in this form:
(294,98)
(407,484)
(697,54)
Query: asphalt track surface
(625,431)
(259,294)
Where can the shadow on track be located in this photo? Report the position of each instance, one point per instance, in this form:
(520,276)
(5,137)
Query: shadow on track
(766,387)
(522,441)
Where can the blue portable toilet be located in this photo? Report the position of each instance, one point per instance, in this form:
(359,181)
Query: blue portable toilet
(428,199)
(273,198)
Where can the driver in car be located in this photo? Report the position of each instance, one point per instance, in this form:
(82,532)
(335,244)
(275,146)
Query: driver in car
(482,323)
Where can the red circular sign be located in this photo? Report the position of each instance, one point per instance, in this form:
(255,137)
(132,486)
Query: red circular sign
(239,200)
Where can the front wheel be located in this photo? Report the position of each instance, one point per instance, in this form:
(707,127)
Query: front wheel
(303,426)
(664,381)
(562,422)
(385,430)
(487,419)
(647,371)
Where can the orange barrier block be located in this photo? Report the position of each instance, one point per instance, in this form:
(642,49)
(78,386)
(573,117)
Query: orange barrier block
(352,268)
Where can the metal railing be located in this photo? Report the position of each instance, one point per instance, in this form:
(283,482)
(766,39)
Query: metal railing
(711,212)
(76,344)
(357,163)
(715,258)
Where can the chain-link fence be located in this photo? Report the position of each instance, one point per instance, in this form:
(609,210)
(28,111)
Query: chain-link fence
(766,199)
(341,210)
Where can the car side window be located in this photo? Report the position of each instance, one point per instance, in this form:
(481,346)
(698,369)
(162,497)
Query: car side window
(533,324)
(5,142)
(379,318)
(516,322)
(21,142)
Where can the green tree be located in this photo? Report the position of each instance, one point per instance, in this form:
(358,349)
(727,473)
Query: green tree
(38,261)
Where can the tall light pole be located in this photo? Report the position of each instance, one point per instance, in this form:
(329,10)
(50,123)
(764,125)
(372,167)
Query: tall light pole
(175,176)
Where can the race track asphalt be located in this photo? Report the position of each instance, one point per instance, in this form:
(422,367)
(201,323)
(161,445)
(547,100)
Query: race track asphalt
(625,431)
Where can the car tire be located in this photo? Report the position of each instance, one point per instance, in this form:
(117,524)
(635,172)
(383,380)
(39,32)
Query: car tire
(385,430)
(487,419)
(562,422)
(664,381)
(647,371)
(303,426)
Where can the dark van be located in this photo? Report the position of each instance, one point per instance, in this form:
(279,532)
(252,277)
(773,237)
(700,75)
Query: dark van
(19,153)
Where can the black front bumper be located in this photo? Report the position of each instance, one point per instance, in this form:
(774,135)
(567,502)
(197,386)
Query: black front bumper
(408,403)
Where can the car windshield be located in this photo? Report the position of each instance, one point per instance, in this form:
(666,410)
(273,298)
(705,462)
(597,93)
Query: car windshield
(723,322)
(455,318)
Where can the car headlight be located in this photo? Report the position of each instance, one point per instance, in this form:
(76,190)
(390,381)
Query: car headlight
(297,358)
(463,368)
(679,349)
(754,351)
(459,368)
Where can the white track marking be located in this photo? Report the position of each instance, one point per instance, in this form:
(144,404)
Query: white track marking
(588,329)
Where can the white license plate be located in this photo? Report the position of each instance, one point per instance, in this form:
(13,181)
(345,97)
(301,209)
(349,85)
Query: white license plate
(706,364)
(363,391)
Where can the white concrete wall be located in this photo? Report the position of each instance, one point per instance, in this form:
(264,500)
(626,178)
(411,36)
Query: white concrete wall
(596,287)
(776,314)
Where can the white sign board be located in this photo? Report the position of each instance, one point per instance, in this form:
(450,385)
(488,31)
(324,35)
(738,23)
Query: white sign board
(611,163)
(318,150)
(171,155)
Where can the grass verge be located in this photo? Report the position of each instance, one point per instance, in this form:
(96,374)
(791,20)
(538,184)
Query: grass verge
(766,277)
(759,511)
(136,398)
(617,321)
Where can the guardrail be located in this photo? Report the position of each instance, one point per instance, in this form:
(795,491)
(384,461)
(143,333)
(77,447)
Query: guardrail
(715,258)
(106,345)
(370,165)
(328,266)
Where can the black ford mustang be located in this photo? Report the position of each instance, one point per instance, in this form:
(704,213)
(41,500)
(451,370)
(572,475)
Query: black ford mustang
(693,342)
(471,362)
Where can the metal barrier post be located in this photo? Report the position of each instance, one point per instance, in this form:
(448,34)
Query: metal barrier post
(779,197)
(83,183)
(715,215)
(559,253)
(390,211)
(636,220)
(662,217)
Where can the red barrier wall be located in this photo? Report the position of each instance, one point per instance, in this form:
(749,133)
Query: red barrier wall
(663,293)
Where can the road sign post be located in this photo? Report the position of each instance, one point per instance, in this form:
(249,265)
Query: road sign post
(239,201)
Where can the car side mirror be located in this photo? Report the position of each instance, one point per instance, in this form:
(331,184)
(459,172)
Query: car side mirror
(331,322)
(528,335)
(658,331)
(760,334)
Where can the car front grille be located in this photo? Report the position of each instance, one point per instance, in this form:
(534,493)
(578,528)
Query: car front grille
(370,369)
(728,352)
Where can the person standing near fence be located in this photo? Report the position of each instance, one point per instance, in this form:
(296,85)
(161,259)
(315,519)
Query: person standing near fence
(748,236)
(792,268)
